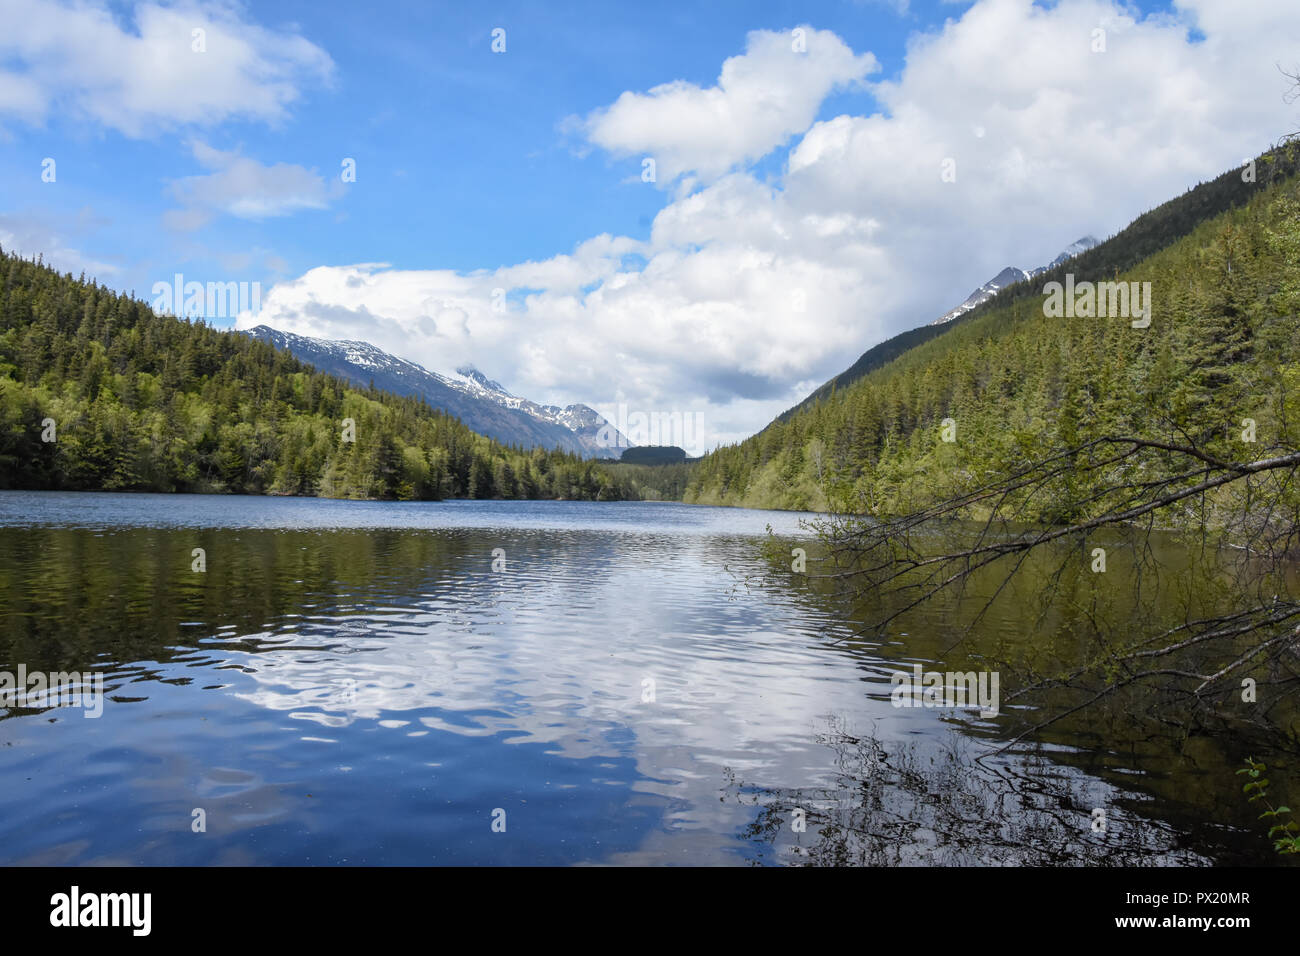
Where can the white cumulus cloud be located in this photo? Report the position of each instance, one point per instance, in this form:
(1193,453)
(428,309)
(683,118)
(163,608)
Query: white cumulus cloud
(762,98)
(149,67)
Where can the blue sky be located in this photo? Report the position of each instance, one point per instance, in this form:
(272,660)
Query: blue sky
(471,163)
(461,159)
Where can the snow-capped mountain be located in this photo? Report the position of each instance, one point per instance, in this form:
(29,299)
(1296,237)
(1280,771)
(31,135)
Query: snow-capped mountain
(1011,275)
(594,432)
(478,401)
(1008,276)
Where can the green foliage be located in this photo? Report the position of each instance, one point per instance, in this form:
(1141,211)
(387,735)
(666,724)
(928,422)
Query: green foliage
(142,402)
(1285,836)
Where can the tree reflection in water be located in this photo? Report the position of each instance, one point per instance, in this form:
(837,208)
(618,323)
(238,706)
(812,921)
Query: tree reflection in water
(898,803)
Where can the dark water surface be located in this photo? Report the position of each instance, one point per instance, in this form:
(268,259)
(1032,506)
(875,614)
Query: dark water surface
(353,682)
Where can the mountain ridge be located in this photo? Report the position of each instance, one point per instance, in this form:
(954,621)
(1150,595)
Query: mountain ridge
(477,400)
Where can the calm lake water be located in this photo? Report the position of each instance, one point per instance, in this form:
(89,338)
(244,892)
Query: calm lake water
(355,683)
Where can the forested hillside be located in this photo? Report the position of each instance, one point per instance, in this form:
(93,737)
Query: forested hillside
(99,393)
(1011,383)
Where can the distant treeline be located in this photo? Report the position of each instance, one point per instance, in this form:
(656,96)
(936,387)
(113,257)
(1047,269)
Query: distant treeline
(99,393)
(654,455)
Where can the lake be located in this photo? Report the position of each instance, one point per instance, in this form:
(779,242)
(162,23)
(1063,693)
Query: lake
(499,682)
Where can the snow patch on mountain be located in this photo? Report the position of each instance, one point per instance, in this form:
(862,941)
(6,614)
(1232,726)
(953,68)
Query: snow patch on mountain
(1073,249)
(474,378)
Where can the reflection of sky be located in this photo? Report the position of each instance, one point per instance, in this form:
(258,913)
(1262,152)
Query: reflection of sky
(555,651)
(559,645)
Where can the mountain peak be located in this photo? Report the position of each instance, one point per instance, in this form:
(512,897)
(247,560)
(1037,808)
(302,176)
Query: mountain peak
(478,378)
(1006,277)
(1075,248)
